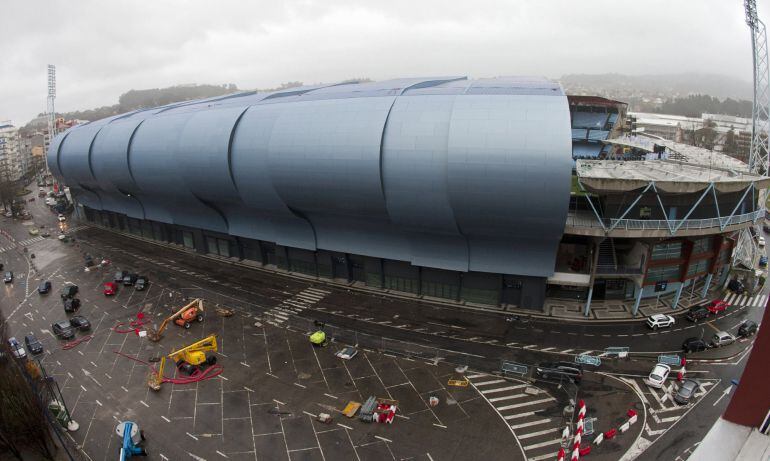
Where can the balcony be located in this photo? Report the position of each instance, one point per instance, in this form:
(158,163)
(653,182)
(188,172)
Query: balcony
(586,223)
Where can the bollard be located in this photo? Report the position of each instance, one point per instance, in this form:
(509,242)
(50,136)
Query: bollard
(585,450)
(631,413)
(610,434)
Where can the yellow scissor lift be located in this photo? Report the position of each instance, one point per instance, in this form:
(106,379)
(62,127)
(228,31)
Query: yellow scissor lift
(188,359)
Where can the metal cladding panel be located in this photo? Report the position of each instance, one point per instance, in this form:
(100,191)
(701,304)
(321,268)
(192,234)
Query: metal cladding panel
(109,159)
(509,177)
(75,163)
(265,216)
(155,158)
(325,156)
(52,156)
(414,175)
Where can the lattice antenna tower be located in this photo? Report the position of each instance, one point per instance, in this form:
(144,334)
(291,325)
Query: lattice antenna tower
(51,109)
(758,159)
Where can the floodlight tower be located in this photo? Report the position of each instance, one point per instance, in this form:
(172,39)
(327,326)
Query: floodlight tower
(51,109)
(746,248)
(758,159)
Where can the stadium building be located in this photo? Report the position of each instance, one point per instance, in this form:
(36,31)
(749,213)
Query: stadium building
(497,192)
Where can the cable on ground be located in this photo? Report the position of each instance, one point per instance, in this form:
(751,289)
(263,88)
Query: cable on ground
(75,343)
(211,372)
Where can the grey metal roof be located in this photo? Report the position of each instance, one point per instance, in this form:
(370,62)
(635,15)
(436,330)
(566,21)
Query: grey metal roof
(442,172)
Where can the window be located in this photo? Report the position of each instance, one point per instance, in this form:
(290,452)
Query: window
(671,250)
(698,266)
(187,239)
(404,284)
(701,246)
(217,246)
(656,274)
(440,290)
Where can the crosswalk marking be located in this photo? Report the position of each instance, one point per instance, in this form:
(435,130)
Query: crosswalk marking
(525,404)
(519,415)
(531,423)
(484,383)
(535,434)
(507,397)
(503,389)
(294,305)
(543,444)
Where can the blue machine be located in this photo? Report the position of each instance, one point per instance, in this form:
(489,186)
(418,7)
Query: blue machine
(132,436)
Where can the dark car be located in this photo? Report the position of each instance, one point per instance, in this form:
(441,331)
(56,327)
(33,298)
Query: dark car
(63,329)
(69,290)
(736,286)
(141,283)
(89,260)
(558,370)
(44,287)
(686,391)
(694,345)
(81,323)
(34,346)
(120,275)
(748,328)
(71,305)
(8,278)
(763,261)
(129,280)
(698,313)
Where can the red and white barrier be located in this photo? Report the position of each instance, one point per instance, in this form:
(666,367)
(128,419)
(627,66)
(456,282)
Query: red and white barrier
(579,431)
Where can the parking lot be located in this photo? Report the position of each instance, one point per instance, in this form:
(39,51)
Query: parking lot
(274,383)
(265,402)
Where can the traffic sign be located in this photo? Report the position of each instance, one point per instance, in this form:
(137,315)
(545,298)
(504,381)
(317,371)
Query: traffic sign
(669,359)
(513,367)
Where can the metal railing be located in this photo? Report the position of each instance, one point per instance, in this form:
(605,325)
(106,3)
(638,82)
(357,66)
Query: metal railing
(587,219)
(618,270)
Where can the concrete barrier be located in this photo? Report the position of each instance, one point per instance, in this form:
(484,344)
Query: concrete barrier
(632,419)
(599,439)
(624,427)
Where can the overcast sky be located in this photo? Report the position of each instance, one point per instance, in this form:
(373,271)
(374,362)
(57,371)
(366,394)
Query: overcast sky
(104,48)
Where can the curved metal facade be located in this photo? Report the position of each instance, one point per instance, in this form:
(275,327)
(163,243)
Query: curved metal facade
(450,173)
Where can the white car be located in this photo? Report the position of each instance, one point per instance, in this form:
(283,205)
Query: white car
(16,348)
(62,218)
(347,353)
(660,321)
(761,241)
(722,338)
(9,214)
(658,375)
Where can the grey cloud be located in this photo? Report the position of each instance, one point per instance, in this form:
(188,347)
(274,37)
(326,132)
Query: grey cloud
(102,49)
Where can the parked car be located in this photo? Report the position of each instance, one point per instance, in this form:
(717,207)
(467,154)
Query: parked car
(736,286)
(81,323)
(69,290)
(129,280)
(658,375)
(16,348)
(694,344)
(763,261)
(110,288)
(716,306)
(697,313)
(119,276)
(748,328)
(62,218)
(347,353)
(63,329)
(656,321)
(71,305)
(33,231)
(573,371)
(687,389)
(722,338)
(8,278)
(44,287)
(761,241)
(33,344)
(141,283)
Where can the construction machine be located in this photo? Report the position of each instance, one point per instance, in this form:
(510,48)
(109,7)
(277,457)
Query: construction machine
(189,359)
(192,312)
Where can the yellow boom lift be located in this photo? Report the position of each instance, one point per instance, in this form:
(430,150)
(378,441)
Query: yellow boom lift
(189,359)
(192,312)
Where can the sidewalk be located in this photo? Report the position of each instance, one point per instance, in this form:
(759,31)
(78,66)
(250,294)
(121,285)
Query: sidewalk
(601,310)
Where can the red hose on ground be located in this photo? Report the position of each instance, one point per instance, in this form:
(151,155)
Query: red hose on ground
(210,372)
(135,325)
(71,344)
